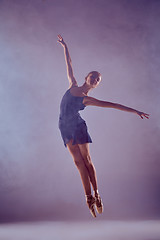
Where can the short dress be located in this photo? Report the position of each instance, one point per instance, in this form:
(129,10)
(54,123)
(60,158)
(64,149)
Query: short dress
(71,124)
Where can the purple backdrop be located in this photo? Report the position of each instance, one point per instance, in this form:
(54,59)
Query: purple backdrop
(119,38)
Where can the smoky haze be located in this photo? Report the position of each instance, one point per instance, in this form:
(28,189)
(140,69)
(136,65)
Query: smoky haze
(118,38)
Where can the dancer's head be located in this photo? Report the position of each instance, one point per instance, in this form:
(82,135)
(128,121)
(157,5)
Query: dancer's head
(93,79)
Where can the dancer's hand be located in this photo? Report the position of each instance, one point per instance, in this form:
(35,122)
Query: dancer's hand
(142,114)
(60,40)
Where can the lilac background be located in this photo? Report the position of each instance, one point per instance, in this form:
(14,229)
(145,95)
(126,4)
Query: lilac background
(119,38)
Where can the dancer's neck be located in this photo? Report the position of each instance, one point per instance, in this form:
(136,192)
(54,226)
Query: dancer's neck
(85,88)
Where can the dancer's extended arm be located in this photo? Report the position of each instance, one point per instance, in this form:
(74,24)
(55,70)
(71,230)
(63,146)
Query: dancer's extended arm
(89,101)
(71,78)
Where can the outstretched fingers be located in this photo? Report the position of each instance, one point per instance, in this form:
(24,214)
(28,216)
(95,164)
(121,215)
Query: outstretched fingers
(142,115)
(60,40)
(60,37)
(146,115)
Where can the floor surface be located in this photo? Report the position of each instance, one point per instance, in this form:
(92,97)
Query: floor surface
(92,230)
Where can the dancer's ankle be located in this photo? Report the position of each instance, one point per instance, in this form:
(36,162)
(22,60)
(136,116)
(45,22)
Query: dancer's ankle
(96,193)
(88,196)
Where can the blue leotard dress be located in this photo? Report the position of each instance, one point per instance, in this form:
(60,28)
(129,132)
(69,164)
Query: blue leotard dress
(71,125)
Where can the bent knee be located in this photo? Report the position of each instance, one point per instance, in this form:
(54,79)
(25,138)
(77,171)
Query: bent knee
(87,160)
(79,162)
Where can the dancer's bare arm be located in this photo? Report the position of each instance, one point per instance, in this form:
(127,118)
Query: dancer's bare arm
(71,78)
(89,101)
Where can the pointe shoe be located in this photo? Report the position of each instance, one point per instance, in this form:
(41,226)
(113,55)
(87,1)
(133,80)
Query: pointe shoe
(98,203)
(91,202)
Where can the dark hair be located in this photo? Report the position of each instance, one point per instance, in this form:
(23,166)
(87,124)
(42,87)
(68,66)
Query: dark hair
(94,73)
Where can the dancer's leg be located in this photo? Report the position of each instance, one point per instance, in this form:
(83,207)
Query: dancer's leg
(84,149)
(79,162)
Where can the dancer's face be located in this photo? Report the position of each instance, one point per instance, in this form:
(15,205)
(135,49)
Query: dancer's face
(93,80)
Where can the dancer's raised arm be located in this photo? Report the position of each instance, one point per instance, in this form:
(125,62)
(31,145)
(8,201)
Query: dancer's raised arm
(90,101)
(71,78)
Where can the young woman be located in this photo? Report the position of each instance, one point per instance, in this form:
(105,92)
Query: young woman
(74,130)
